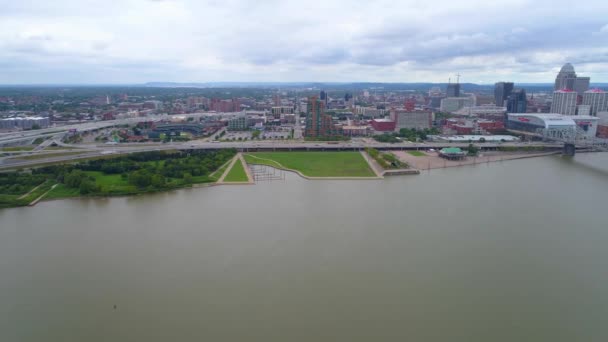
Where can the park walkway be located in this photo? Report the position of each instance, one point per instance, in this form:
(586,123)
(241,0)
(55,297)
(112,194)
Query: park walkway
(378,170)
(29,192)
(42,196)
(223,176)
(238,158)
(247,169)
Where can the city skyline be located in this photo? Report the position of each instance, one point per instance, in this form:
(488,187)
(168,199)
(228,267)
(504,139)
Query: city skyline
(142,41)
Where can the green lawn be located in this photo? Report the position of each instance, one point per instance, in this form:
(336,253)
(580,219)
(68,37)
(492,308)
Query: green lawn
(237,173)
(62,191)
(417,153)
(316,164)
(112,183)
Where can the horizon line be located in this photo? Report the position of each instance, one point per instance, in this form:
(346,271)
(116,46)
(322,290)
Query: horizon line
(159,83)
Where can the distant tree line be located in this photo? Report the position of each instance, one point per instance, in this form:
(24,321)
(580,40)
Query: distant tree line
(409,134)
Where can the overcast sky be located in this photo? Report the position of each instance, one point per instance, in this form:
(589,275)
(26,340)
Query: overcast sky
(135,41)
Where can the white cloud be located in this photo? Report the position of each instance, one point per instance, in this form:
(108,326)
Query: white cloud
(343,40)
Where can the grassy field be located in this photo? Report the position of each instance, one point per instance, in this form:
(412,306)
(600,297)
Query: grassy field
(417,153)
(17,148)
(316,164)
(62,191)
(237,173)
(112,183)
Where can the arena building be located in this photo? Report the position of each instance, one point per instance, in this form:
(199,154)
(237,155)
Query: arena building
(532,122)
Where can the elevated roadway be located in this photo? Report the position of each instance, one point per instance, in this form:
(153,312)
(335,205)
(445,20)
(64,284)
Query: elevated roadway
(91,151)
(7,139)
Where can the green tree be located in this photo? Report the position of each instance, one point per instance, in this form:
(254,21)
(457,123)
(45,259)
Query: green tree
(74,178)
(140,178)
(87,186)
(157,181)
(472,150)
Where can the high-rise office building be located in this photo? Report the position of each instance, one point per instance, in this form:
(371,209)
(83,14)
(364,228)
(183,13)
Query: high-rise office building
(318,124)
(568,80)
(502,90)
(581,85)
(453,90)
(324,97)
(564,102)
(597,100)
(435,96)
(452,104)
(517,102)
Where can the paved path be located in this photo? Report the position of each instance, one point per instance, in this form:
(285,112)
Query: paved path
(219,168)
(432,160)
(378,170)
(29,192)
(42,196)
(237,159)
(234,159)
(247,169)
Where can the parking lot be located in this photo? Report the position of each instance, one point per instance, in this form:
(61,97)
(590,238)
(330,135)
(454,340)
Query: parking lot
(236,135)
(276,135)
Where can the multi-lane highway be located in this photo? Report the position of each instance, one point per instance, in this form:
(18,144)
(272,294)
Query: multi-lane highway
(7,139)
(95,150)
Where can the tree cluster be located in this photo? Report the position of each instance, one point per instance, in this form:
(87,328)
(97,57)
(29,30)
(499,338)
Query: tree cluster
(16,183)
(148,170)
(409,134)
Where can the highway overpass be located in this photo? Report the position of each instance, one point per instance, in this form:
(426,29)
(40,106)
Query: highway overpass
(92,151)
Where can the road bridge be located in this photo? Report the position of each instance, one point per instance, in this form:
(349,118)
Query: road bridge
(573,139)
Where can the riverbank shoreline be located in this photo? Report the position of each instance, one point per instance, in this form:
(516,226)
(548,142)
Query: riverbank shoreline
(432,160)
(417,163)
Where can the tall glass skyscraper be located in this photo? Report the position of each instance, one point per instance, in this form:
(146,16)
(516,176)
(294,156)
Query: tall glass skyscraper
(517,102)
(502,90)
